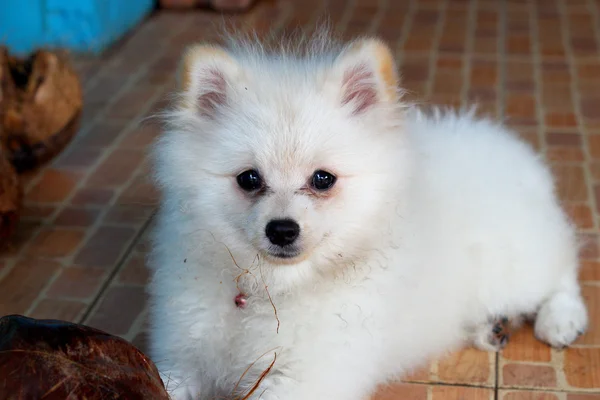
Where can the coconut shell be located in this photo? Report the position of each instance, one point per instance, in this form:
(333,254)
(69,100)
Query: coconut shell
(41,106)
(51,360)
(10,199)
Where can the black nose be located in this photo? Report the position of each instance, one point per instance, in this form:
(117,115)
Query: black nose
(282,232)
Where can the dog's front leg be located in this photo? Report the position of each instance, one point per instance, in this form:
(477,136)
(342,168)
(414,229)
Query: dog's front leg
(324,381)
(306,390)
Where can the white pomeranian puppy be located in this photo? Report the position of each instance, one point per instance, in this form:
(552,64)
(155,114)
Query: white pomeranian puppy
(318,237)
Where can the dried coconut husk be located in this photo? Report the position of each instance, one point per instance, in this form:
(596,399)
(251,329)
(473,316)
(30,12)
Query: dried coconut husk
(51,360)
(10,199)
(40,108)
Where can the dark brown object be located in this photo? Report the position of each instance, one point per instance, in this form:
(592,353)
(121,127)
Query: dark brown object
(10,199)
(219,5)
(59,360)
(40,106)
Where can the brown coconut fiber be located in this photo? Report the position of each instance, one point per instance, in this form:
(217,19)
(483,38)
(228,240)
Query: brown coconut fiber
(52,360)
(10,199)
(40,106)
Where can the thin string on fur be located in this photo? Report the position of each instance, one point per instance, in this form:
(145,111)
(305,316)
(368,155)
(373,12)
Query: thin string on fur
(247,271)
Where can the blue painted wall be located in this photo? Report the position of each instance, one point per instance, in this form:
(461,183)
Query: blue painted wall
(88,26)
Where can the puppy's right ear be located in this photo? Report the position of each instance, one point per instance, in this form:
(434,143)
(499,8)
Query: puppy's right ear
(206,77)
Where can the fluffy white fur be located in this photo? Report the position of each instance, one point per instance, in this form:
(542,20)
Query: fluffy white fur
(437,225)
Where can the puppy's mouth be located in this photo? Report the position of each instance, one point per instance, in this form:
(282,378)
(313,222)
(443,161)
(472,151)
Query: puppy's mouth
(283,254)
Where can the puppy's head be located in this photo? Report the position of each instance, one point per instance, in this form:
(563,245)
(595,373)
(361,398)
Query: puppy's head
(291,157)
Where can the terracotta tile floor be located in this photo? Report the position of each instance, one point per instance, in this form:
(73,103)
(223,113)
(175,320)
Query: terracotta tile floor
(79,252)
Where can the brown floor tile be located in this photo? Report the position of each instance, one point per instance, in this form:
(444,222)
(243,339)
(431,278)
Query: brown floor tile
(37,212)
(65,310)
(563,139)
(591,295)
(104,247)
(593,142)
(135,271)
(580,214)
(141,192)
(530,137)
(591,396)
(77,217)
(78,158)
(76,282)
(53,187)
(588,247)
(522,395)
(92,196)
(520,105)
(25,231)
(141,137)
(570,180)
(461,393)
(419,375)
(467,366)
(528,375)
(590,270)
(484,74)
(118,309)
(565,154)
(102,134)
(128,214)
(133,102)
(560,119)
(116,169)
(21,286)
(582,367)
(523,346)
(56,242)
(401,391)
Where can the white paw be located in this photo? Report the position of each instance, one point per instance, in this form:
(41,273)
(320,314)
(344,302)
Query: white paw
(561,320)
(491,336)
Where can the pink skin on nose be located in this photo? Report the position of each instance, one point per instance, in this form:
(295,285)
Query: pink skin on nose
(240,301)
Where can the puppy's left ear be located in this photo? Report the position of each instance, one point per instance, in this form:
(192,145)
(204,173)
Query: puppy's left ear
(208,76)
(367,74)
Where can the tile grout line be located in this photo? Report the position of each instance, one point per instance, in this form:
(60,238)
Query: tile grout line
(468,53)
(382,6)
(284,16)
(554,390)
(501,62)
(404,32)
(434,54)
(497,376)
(346,17)
(105,285)
(537,77)
(137,326)
(315,17)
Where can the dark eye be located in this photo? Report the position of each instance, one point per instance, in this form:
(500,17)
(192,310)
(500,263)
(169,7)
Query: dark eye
(250,180)
(323,180)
